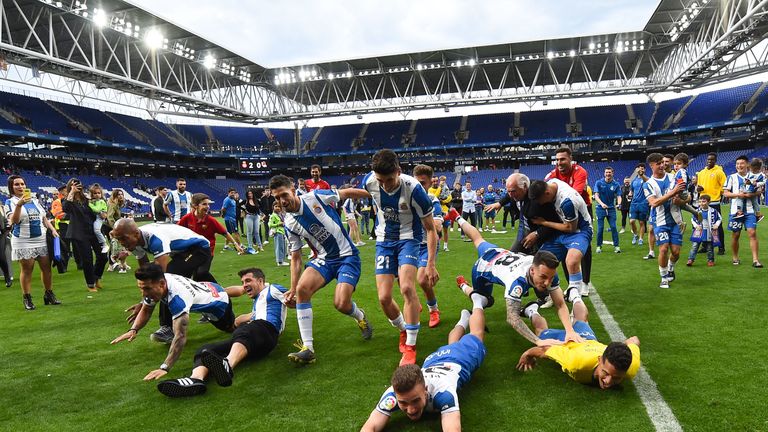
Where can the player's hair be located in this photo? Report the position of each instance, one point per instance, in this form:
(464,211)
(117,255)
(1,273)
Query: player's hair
(385,162)
(315,166)
(712,154)
(669,156)
(743,157)
(181,179)
(426,170)
(705,197)
(654,158)
(640,165)
(608,168)
(159,188)
(682,157)
(279,181)
(547,258)
(11,179)
(149,272)
(405,378)
(256,272)
(231,190)
(756,163)
(60,188)
(197,198)
(537,189)
(619,355)
(565,150)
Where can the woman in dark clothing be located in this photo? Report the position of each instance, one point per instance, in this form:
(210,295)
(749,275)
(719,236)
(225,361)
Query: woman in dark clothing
(252,222)
(80,231)
(266,202)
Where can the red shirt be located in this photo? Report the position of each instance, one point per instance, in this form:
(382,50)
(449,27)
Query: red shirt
(310,185)
(208,227)
(577,179)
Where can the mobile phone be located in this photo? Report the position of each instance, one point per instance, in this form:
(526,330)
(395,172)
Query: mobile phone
(27,193)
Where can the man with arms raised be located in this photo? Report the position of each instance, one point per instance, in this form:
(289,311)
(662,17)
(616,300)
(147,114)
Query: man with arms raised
(255,336)
(433,388)
(182,296)
(311,217)
(404,217)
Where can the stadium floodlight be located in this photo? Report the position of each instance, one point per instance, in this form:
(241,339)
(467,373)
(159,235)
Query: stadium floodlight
(58,4)
(154,39)
(209,61)
(572,53)
(349,74)
(591,46)
(471,62)
(550,55)
(330,77)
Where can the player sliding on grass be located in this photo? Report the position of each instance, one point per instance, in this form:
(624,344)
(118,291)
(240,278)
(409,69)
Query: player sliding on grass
(423,173)
(433,388)
(404,217)
(588,362)
(518,273)
(182,296)
(312,217)
(256,336)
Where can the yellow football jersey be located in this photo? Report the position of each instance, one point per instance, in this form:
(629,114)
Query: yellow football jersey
(579,360)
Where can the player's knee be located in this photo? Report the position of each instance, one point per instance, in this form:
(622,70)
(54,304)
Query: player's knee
(342,304)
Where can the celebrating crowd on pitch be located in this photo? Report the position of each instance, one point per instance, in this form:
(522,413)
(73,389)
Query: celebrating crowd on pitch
(412,214)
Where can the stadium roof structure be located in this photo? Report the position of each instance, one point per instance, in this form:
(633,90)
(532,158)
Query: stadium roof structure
(125,54)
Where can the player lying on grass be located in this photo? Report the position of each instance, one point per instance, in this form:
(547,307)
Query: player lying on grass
(518,273)
(433,388)
(182,296)
(256,336)
(589,362)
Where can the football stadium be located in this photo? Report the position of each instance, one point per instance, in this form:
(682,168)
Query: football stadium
(556,231)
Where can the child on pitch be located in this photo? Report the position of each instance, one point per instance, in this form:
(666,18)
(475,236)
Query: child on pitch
(681,177)
(99,207)
(705,232)
(756,183)
(277,229)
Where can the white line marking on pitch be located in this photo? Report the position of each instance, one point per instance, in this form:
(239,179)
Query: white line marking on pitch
(659,412)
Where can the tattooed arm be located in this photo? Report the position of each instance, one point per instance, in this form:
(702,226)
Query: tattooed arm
(513,318)
(180,326)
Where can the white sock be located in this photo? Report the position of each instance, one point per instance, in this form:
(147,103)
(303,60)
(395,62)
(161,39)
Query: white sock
(663,271)
(411,332)
(671,266)
(398,323)
(432,307)
(461,221)
(464,320)
(356,313)
(531,311)
(304,316)
(478,301)
(467,289)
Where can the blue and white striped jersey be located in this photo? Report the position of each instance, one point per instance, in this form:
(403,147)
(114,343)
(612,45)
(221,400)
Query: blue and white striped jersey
(437,213)
(269,305)
(663,214)
(318,222)
(179,204)
(570,206)
(400,212)
(738,184)
(30,224)
(757,180)
(162,239)
(185,296)
(349,208)
(509,269)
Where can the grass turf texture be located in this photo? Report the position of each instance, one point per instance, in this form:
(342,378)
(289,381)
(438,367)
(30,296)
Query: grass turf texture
(701,343)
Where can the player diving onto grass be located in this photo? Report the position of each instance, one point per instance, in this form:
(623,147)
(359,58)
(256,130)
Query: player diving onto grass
(255,336)
(518,273)
(312,217)
(433,387)
(589,362)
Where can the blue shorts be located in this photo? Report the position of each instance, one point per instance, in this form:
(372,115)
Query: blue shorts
(560,244)
(490,214)
(747,221)
(424,254)
(344,270)
(469,352)
(446,223)
(580,327)
(638,212)
(230,225)
(665,234)
(479,282)
(390,255)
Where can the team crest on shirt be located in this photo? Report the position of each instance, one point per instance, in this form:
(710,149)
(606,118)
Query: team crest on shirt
(317,209)
(403,206)
(389,403)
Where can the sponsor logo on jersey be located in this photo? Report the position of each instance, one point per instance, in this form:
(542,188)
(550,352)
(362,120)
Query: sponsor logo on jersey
(319,232)
(391,215)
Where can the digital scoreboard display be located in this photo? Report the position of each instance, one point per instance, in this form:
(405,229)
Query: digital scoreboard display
(259,166)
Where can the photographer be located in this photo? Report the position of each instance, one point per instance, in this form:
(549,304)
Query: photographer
(81,233)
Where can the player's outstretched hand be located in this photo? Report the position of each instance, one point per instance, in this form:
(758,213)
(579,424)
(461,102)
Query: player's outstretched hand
(572,336)
(530,240)
(155,374)
(130,335)
(526,363)
(492,207)
(134,312)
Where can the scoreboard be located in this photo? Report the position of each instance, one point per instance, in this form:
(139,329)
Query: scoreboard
(254,166)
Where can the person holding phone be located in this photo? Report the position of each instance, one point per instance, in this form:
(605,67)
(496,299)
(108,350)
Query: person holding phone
(28,229)
(81,233)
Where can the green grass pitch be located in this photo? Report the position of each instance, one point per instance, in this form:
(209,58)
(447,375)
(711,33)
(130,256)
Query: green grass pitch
(703,343)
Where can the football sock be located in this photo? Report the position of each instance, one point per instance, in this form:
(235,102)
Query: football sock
(461,221)
(356,313)
(464,320)
(432,305)
(304,316)
(398,323)
(411,332)
(663,272)
(574,280)
(479,301)
(466,289)
(671,265)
